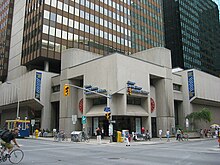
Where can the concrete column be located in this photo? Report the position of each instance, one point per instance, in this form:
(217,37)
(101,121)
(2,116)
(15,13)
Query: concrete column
(68,107)
(46,66)
(165,104)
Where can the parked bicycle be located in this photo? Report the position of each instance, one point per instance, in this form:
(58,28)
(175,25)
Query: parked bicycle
(15,156)
(85,137)
(60,136)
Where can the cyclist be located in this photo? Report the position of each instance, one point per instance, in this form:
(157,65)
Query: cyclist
(8,136)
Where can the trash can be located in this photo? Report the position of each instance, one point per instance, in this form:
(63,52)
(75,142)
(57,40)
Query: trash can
(76,136)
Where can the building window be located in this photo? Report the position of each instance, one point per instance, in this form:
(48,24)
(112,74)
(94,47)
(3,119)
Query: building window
(133,101)
(176,87)
(56,88)
(99,101)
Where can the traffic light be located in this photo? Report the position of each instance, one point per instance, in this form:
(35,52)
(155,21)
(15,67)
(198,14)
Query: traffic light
(108,116)
(66,90)
(129,91)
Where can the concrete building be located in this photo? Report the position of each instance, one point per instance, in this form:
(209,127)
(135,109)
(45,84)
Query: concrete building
(160,100)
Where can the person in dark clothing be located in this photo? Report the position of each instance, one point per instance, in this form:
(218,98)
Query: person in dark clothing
(9,136)
(98,133)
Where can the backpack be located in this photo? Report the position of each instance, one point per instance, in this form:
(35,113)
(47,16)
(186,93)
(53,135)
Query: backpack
(4,135)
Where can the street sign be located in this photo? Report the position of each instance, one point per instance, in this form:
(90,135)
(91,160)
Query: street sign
(32,122)
(113,121)
(83,119)
(110,129)
(107,109)
(74,119)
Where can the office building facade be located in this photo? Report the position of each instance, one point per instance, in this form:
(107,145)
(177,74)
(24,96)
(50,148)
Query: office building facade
(6,14)
(191,32)
(102,27)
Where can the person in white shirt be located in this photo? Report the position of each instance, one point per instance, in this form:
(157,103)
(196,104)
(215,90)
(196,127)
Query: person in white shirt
(168,135)
(160,133)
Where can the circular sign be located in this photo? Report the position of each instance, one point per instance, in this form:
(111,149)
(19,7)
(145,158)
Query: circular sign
(152,103)
(81,105)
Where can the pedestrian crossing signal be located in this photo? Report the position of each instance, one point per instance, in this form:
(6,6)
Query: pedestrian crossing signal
(108,116)
(66,90)
(129,91)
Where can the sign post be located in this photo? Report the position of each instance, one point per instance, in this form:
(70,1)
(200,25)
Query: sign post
(83,119)
(32,125)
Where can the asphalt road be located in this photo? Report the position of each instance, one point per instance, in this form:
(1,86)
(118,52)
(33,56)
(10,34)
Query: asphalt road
(40,152)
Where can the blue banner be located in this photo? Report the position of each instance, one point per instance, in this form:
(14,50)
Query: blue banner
(38,85)
(191,85)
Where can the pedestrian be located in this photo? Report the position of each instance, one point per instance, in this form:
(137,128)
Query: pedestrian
(219,137)
(178,134)
(102,133)
(127,137)
(147,135)
(98,134)
(168,135)
(160,133)
(142,130)
(201,133)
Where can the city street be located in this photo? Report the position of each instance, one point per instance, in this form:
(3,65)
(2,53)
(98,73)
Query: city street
(44,152)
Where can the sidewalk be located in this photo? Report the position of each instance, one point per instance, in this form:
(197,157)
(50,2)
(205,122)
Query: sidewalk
(107,141)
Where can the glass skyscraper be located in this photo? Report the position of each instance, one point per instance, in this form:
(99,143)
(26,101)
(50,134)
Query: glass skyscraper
(191,32)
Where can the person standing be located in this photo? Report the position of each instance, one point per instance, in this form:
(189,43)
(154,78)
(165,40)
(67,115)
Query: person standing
(160,133)
(168,135)
(102,133)
(98,133)
(142,130)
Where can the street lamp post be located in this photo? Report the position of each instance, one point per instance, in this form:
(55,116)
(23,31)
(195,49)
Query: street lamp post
(18,106)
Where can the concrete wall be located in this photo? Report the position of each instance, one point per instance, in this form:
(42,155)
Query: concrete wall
(207,86)
(14,67)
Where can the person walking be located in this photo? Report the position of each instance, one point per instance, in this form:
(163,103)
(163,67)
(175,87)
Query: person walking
(178,134)
(168,135)
(127,137)
(160,133)
(98,133)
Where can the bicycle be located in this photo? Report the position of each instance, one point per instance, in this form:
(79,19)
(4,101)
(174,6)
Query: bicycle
(85,137)
(15,156)
(60,136)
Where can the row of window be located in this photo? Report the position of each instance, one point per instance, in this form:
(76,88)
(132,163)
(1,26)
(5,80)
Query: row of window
(130,100)
(71,23)
(85,28)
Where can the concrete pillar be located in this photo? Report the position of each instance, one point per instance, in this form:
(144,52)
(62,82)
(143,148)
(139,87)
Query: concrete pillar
(165,104)
(46,66)
(69,107)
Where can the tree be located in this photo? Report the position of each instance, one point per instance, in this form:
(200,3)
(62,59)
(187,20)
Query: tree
(203,115)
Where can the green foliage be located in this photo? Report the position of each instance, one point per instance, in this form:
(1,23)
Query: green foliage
(204,115)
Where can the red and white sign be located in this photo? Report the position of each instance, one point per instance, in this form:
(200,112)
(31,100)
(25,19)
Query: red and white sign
(152,103)
(81,105)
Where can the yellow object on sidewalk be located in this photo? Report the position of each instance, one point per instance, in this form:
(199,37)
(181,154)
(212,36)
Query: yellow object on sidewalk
(36,133)
(119,138)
